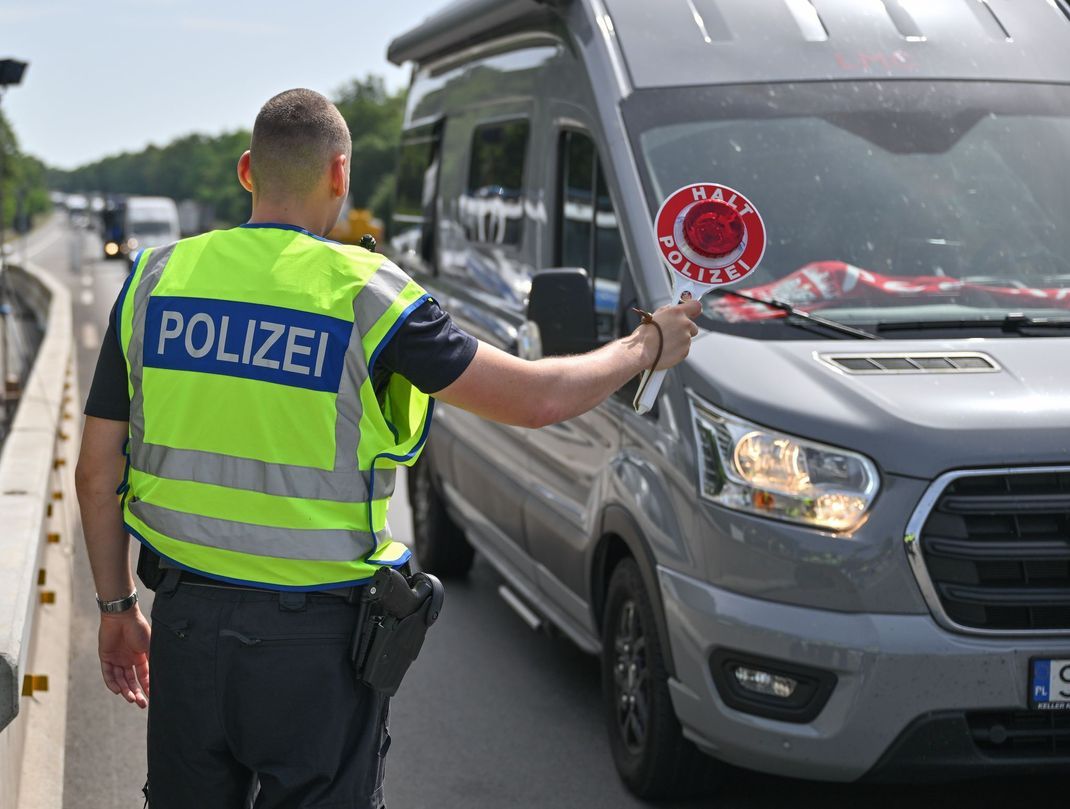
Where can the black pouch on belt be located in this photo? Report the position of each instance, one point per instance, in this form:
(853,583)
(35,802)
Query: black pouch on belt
(148,568)
(395,616)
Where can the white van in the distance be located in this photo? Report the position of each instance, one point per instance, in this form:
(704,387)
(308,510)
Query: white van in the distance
(148,222)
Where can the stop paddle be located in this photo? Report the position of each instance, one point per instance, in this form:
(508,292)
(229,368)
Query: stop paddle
(709,236)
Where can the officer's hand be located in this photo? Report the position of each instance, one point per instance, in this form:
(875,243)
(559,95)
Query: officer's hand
(677,328)
(123,645)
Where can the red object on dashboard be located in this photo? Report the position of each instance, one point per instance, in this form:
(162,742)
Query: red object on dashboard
(824,284)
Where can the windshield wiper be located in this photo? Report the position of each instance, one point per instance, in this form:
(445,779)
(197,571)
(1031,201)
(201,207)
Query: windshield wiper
(809,319)
(1014,322)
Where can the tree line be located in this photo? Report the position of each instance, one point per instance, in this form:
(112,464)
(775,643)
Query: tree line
(25,193)
(202,167)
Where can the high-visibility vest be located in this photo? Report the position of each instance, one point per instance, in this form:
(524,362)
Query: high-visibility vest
(260,450)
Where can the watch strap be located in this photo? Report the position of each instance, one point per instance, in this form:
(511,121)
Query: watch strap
(119,604)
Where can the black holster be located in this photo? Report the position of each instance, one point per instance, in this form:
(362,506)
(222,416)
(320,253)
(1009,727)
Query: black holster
(395,614)
(148,568)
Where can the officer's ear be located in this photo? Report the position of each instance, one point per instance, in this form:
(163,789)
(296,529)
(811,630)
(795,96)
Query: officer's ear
(245,176)
(339,176)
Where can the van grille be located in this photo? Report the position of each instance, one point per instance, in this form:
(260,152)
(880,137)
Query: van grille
(1016,734)
(997,550)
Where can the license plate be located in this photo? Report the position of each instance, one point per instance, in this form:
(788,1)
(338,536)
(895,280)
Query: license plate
(1049,685)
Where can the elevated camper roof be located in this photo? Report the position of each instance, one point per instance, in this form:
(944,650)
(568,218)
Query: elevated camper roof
(461,23)
(669,43)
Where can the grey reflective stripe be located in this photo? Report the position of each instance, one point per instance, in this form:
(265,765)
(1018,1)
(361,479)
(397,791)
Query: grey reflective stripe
(310,545)
(150,277)
(371,303)
(378,295)
(252,475)
(384,483)
(348,407)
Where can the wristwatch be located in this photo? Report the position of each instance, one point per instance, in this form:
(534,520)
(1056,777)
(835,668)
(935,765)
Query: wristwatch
(119,604)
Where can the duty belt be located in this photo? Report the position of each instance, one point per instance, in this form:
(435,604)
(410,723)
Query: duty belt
(349,594)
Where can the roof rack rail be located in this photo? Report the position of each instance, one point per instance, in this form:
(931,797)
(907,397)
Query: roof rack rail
(989,20)
(710,21)
(903,21)
(808,19)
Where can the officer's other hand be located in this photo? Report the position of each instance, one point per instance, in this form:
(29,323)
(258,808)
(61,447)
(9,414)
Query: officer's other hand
(123,645)
(677,328)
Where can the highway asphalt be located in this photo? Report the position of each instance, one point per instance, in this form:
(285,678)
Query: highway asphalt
(492,715)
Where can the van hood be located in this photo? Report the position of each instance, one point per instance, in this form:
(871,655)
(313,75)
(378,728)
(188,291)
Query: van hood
(917,424)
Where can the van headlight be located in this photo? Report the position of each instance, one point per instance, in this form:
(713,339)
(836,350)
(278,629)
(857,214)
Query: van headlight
(749,468)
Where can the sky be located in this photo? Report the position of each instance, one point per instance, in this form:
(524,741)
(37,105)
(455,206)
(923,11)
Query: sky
(112,75)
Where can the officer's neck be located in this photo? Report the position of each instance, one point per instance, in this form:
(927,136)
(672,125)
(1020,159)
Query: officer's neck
(305,216)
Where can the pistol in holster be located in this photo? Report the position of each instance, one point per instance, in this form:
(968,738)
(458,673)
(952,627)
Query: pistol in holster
(395,613)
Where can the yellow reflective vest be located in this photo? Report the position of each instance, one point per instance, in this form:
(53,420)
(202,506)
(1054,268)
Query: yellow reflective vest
(260,451)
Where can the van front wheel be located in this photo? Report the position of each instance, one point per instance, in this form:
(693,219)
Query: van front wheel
(652,757)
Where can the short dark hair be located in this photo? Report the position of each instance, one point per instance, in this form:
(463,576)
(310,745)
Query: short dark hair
(296,134)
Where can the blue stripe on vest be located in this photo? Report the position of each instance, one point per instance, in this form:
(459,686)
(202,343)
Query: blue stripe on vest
(246,340)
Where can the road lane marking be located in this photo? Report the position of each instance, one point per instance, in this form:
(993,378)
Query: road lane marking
(86,297)
(40,247)
(90,336)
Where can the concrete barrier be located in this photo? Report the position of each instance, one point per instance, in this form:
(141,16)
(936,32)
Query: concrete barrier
(38,524)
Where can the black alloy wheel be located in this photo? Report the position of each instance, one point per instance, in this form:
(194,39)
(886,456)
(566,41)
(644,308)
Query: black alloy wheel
(649,750)
(631,679)
(438,542)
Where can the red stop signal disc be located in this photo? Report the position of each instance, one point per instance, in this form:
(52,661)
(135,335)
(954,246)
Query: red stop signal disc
(710,234)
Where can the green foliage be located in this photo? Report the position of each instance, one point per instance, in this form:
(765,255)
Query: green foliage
(199,167)
(374,118)
(382,200)
(22,175)
(202,167)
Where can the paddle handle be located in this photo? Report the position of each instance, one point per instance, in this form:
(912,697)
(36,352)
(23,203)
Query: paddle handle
(650,384)
(647,394)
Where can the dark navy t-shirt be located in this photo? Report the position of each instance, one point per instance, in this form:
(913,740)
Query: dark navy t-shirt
(428,349)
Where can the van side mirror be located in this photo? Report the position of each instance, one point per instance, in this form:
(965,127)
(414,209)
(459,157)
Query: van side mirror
(561,305)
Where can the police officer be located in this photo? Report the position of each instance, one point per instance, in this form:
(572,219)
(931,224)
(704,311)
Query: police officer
(255,392)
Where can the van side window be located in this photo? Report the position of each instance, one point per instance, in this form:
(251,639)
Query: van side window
(412,221)
(494,205)
(577,218)
(588,232)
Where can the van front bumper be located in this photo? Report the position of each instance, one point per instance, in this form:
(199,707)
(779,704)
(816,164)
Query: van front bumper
(901,682)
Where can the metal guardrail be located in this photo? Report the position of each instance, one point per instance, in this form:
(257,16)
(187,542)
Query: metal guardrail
(37,514)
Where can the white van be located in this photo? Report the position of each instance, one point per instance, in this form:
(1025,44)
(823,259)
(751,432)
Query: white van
(149,222)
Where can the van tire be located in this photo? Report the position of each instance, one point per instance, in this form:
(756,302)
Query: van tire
(658,762)
(438,542)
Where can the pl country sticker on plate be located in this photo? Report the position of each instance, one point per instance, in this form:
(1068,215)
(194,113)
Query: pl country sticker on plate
(1049,684)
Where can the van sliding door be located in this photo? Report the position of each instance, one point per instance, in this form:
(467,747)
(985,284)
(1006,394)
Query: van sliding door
(570,461)
(482,280)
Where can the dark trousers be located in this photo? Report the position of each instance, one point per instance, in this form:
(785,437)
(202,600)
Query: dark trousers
(251,685)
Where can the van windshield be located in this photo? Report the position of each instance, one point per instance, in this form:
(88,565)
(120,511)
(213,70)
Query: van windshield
(148,227)
(883,201)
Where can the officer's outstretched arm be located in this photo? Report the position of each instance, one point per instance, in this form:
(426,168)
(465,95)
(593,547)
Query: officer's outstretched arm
(504,388)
